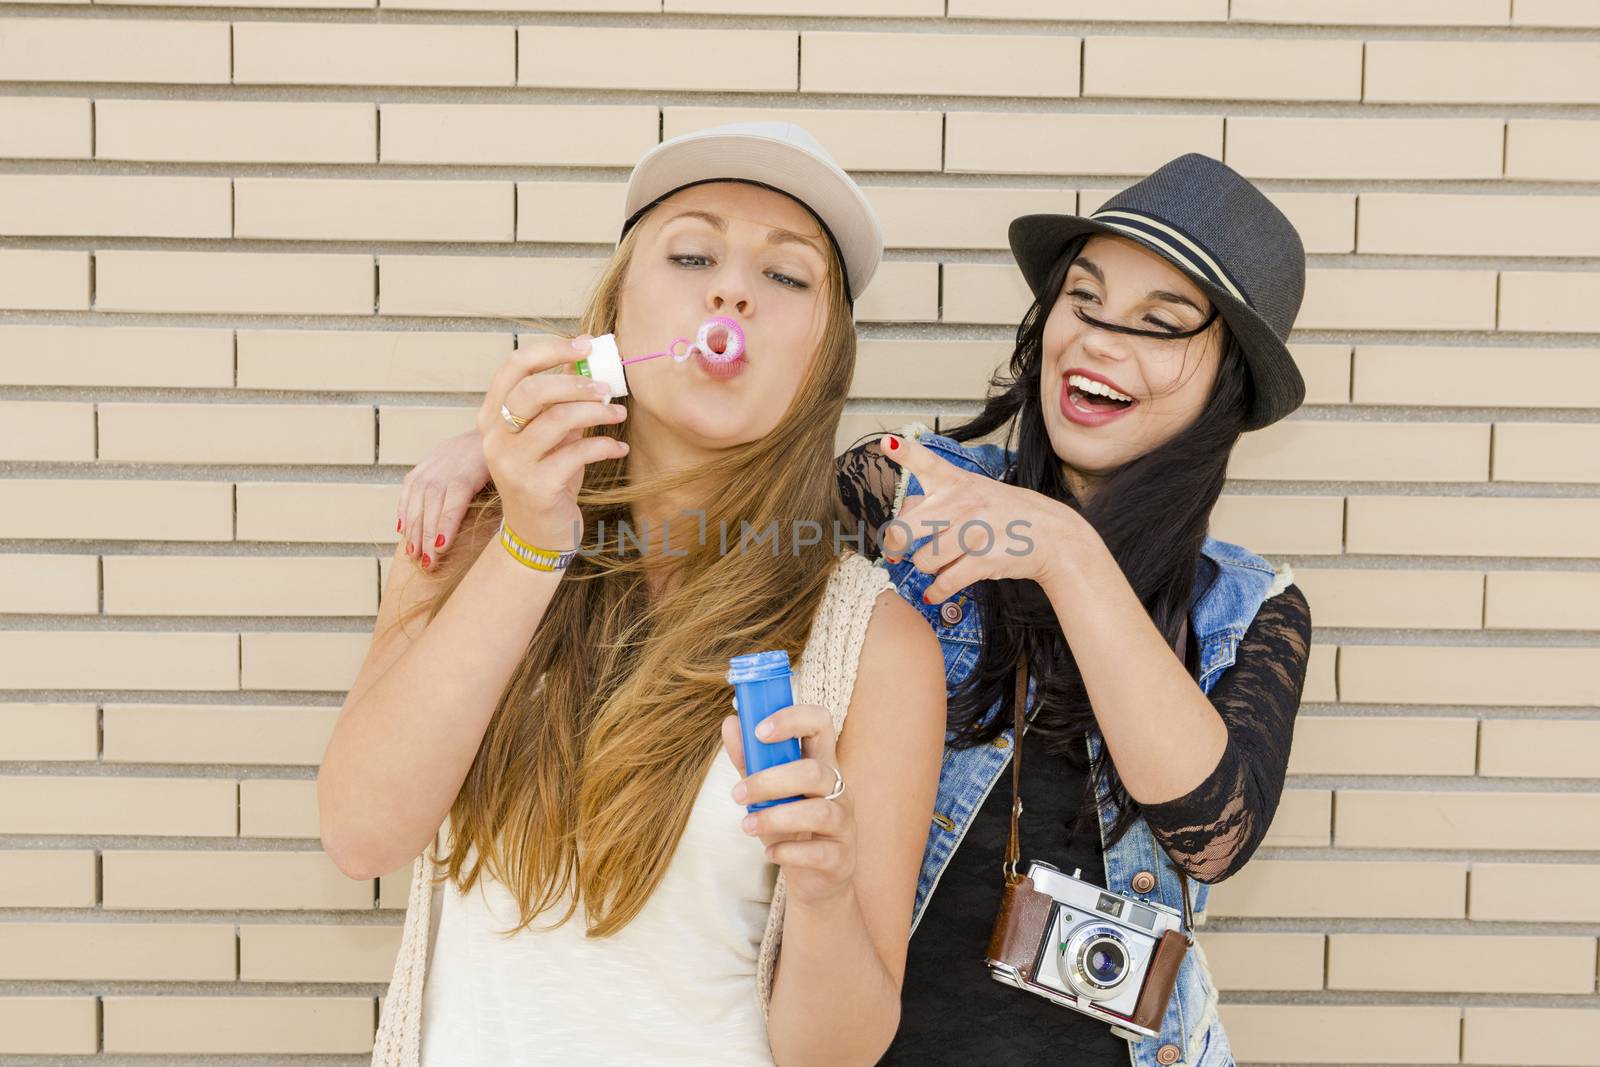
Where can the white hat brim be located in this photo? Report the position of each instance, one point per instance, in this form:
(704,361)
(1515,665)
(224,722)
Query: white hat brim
(816,182)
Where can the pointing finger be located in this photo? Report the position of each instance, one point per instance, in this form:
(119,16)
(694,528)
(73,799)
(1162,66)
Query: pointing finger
(934,472)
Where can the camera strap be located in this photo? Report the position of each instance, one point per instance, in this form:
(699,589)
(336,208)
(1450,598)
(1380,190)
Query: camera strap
(1013,854)
(1014,842)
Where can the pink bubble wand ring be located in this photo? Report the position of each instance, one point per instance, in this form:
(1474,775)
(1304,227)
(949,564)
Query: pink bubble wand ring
(605,363)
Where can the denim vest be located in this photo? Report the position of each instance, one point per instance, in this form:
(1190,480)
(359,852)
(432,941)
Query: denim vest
(1191,1032)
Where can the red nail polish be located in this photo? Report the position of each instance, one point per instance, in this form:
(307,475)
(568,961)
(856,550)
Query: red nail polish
(438,542)
(425,559)
(925,597)
(894,444)
(399,524)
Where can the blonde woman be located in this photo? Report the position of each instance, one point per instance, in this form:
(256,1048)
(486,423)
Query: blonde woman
(601,894)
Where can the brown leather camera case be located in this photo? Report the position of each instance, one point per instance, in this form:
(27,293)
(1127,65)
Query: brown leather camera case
(1024,911)
(1160,979)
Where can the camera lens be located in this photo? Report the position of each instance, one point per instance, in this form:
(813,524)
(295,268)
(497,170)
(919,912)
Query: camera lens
(1096,962)
(1105,962)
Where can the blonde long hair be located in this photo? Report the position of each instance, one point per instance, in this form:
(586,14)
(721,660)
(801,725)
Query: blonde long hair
(589,766)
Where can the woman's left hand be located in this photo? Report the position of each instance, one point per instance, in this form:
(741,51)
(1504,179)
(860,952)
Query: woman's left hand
(982,528)
(812,839)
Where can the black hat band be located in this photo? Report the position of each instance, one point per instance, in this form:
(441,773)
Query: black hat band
(1183,249)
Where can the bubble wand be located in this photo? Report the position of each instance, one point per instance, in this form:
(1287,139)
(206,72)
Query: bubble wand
(604,362)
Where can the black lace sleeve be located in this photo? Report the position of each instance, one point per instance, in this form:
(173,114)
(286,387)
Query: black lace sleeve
(1215,828)
(867,480)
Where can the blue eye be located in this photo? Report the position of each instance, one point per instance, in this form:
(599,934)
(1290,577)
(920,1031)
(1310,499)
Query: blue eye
(693,261)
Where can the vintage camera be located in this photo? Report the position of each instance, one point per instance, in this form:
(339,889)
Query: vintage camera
(1075,944)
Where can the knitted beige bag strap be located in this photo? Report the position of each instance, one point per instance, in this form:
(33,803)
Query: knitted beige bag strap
(826,675)
(399,1038)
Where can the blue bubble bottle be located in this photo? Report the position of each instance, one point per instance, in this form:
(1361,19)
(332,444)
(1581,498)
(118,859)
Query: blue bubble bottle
(761,686)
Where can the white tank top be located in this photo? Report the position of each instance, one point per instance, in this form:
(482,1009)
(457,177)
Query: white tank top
(673,986)
(687,981)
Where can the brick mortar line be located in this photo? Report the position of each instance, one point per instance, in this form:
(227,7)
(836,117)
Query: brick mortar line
(1559,858)
(1502,637)
(1382,998)
(183,987)
(911,26)
(446,253)
(465,173)
(376,552)
(1460,926)
(1454,784)
(909,329)
(1431,784)
(1397,415)
(356,623)
(352,551)
(163,843)
(531,250)
(885,330)
(1474,565)
(1157,107)
(468,400)
(204,845)
(378,917)
(297,700)
(372,551)
(129,770)
(1323,997)
(1313,709)
(870,332)
(390,474)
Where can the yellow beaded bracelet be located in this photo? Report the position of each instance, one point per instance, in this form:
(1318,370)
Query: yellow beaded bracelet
(539,559)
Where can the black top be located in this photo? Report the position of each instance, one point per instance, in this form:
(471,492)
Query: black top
(952,1011)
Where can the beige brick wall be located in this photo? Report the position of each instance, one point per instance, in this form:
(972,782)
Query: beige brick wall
(255,261)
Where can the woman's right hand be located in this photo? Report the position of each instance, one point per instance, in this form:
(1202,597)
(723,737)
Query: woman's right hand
(538,470)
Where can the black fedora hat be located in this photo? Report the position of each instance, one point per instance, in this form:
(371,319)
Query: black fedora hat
(1205,219)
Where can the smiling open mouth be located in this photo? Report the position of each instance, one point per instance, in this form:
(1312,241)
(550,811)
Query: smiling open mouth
(1095,403)
(1090,402)
(1097,397)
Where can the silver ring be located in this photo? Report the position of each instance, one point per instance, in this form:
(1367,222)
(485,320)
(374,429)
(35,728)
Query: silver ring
(516,422)
(838,785)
